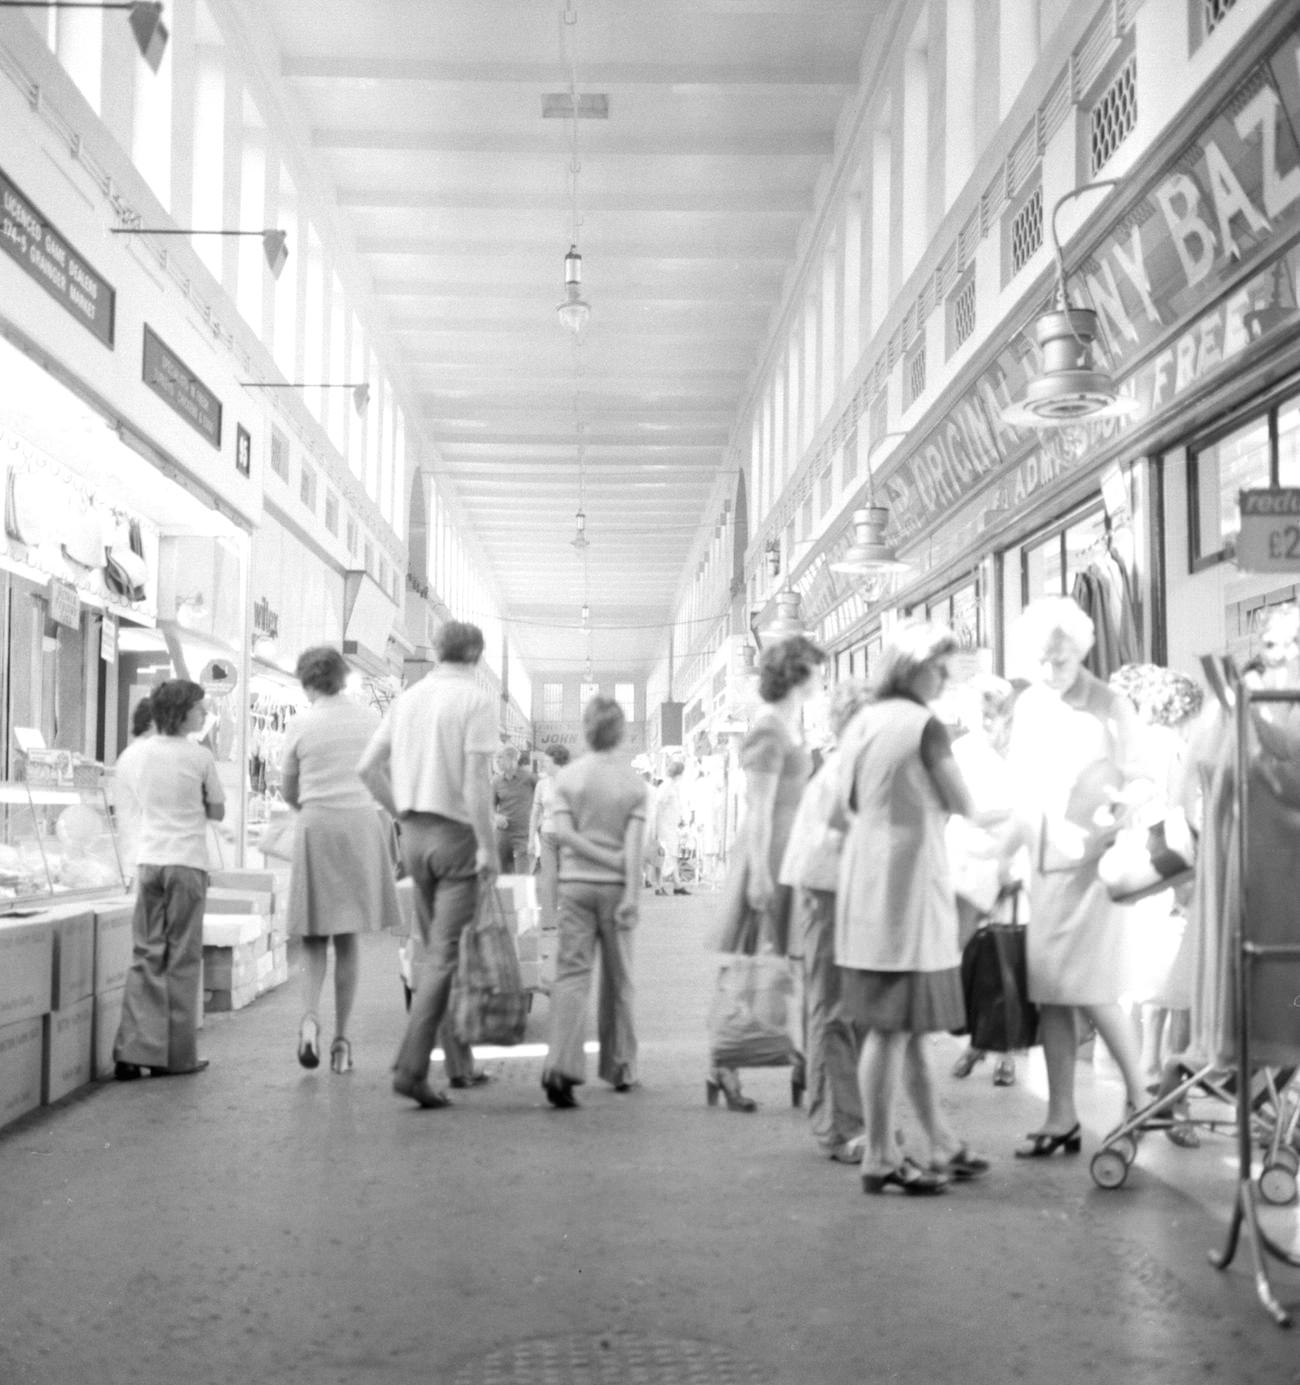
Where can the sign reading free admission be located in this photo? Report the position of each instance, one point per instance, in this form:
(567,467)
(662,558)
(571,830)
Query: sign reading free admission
(1270,531)
(42,253)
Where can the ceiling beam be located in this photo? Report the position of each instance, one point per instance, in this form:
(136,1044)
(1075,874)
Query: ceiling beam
(741,204)
(839,76)
(603,144)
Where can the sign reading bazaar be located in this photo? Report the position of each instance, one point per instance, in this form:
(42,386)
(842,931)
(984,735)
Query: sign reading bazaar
(1230,200)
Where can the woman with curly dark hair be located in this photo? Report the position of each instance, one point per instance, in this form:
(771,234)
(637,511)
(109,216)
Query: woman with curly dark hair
(756,908)
(342,879)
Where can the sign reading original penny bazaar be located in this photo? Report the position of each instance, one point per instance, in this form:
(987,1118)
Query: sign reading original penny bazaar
(42,253)
(178,386)
(1230,199)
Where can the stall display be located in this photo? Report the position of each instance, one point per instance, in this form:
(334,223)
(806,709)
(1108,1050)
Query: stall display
(55,843)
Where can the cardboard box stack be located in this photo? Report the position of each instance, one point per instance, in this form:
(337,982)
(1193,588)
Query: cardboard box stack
(70,1025)
(26,984)
(244,953)
(113,947)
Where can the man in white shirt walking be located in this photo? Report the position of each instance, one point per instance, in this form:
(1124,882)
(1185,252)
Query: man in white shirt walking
(430,765)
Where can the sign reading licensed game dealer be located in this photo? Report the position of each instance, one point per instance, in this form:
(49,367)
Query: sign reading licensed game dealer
(42,253)
(178,386)
(1270,531)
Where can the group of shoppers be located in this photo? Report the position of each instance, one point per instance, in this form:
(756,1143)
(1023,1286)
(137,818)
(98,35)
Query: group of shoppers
(849,871)
(865,846)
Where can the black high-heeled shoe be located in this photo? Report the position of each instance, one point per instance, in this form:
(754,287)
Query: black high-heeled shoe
(724,1082)
(1045,1143)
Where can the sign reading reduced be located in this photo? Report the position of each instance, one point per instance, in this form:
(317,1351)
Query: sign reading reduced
(1270,531)
(42,253)
(178,387)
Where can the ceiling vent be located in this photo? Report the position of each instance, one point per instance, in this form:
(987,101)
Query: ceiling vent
(558,105)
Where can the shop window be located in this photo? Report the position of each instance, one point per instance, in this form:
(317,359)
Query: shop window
(280,455)
(331,512)
(1217,471)
(961,611)
(1050,565)
(1113,117)
(307,487)
(552,701)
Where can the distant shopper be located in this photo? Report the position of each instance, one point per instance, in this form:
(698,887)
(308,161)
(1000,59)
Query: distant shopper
(600,823)
(172,785)
(811,866)
(342,878)
(430,765)
(667,812)
(542,829)
(512,798)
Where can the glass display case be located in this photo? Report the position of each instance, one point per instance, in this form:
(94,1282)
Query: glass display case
(56,843)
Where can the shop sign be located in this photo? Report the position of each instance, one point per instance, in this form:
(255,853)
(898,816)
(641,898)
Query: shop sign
(1231,197)
(219,677)
(64,603)
(180,389)
(42,253)
(1269,540)
(108,640)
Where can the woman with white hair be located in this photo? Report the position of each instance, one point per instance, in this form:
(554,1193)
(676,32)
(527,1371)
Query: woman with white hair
(1076,744)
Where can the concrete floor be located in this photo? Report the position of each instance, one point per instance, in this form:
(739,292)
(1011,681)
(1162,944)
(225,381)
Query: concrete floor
(262,1223)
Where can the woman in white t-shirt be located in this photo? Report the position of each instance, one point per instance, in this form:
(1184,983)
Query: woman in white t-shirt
(171,785)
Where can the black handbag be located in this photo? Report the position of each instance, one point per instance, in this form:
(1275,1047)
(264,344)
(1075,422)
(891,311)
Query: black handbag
(1000,1017)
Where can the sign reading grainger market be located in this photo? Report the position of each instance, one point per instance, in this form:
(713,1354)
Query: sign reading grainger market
(42,253)
(178,386)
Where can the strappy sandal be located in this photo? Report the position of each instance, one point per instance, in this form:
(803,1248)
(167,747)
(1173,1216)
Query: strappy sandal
(340,1056)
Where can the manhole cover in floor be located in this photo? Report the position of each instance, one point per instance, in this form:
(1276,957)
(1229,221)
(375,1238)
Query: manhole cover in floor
(611,1358)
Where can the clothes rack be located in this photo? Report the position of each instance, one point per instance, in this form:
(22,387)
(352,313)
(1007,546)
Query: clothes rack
(1255,956)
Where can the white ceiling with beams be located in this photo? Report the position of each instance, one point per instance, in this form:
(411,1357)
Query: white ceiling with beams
(425,118)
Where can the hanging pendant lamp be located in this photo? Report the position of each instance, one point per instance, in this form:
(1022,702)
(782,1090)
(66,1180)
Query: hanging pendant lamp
(869,554)
(787,622)
(1070,387)
(575,310)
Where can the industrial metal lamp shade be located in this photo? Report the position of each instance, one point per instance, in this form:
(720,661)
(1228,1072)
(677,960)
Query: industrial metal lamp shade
(787,620)
(869,555)
(1070,387)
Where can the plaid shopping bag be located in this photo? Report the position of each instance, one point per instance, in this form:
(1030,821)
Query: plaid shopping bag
(489,1004)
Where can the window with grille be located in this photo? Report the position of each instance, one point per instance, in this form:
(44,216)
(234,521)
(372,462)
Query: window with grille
(625,696)
(307,487)
(1027,231)
(1113,117)
(961,313)
(1206,17)
(552,701)
(331,512)
(280,455)
(915,376)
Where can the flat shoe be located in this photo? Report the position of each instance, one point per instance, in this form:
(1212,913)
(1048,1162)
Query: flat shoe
(909,1177)
(559,1091)
(1045,1142)
(1183,1134)
(126,1072)
(966,1063)
(964,1165)
(1004,1074)
(200,1066)
(478,1079)
(845,1154)
(420,1092)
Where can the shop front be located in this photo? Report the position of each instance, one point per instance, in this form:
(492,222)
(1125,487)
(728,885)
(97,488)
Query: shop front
(1193,270)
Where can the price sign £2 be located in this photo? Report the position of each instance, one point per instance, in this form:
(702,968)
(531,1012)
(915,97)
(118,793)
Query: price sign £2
(1270,531)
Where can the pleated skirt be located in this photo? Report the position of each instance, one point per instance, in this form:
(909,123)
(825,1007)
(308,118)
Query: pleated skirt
(342,875)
